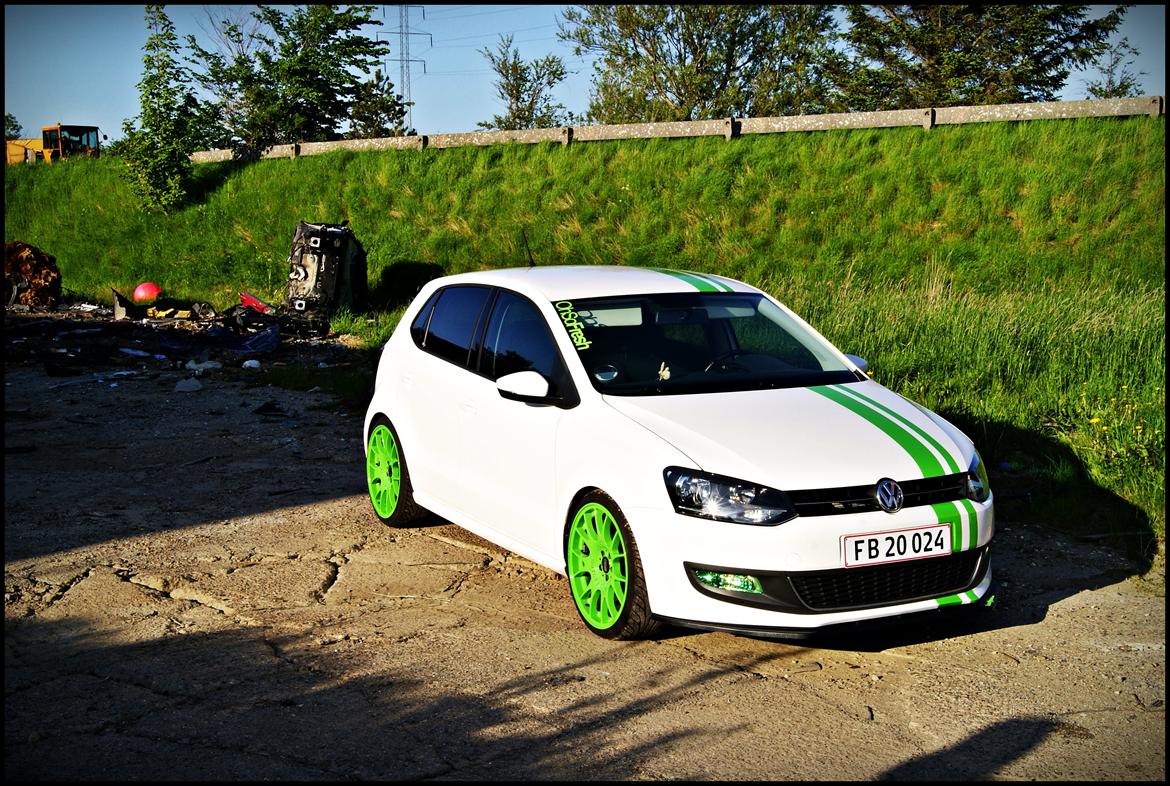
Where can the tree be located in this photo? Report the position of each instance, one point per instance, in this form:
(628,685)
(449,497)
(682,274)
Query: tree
(377,110)
(699,62)
(525,89)
(909,56)
(794,77)
(12,127)
(289,76)
(1119,81)
(157,153)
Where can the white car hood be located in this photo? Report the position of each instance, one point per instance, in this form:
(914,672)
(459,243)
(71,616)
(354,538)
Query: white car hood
(804,438)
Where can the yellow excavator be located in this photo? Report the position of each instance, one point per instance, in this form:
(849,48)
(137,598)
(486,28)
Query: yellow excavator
(57,142)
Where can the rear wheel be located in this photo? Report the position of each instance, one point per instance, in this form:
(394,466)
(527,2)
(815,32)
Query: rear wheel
(387,478)
(605,572)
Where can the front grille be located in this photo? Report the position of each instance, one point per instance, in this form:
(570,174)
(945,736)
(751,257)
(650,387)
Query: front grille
(884,585)
(860,499)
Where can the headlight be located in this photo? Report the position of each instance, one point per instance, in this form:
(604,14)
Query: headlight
(978,488)
(707,496)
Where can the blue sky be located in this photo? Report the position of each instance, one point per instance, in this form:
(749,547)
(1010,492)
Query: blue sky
(81,63)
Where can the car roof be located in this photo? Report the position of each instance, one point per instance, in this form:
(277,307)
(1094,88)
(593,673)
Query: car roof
(568,282)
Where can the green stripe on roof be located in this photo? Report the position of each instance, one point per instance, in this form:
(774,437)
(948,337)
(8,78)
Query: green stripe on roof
(927,463)
(950,461)
(710,280)
(697,283)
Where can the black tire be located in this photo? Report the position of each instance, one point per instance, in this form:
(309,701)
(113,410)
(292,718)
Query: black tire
(605,571)
(384,474)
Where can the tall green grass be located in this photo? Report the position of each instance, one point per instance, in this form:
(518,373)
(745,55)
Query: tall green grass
(1010,275)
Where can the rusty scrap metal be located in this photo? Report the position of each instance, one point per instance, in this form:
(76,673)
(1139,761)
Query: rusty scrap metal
(31,277)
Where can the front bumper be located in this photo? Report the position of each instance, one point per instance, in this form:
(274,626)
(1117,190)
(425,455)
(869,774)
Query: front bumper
(801,565)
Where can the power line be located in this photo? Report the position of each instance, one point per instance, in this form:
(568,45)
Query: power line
(482,13)
(503,32)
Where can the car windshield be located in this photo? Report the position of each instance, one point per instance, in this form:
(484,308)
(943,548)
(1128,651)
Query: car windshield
(647,345)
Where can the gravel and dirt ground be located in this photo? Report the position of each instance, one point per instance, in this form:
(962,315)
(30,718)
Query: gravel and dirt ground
(194,589)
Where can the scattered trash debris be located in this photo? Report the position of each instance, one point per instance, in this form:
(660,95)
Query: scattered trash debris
(31,277)
(260,342)
(256,304)
(95,378)
(51,325)
(188,385)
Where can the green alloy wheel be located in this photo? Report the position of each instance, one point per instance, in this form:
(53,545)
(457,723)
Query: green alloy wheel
(386,477)
(605,574)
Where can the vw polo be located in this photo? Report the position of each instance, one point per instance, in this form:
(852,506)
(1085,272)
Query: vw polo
(681,446)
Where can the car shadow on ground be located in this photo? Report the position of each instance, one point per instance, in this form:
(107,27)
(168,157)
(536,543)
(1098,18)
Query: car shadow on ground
(249,705)
(982,755)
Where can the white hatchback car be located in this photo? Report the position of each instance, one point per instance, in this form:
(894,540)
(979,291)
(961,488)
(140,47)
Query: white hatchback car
(681,446)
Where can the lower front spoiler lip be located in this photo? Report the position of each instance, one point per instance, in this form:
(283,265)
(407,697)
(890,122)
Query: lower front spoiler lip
(839,630)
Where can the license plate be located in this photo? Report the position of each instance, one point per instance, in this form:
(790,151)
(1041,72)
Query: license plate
(897,546)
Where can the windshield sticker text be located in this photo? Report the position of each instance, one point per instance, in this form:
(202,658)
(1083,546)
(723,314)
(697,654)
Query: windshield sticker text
(573,325)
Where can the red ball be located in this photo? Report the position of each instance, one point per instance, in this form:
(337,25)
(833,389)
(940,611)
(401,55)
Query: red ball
(146,292)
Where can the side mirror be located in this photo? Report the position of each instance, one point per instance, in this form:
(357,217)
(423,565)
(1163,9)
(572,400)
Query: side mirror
(527,386)
(105,138)
(861,363)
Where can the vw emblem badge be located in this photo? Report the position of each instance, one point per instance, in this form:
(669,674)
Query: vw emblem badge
(889,495)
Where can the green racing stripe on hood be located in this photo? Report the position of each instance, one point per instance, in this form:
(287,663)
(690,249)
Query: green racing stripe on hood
(934,443)
(927,463)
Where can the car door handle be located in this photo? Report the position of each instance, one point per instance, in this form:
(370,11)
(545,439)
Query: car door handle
(470,409)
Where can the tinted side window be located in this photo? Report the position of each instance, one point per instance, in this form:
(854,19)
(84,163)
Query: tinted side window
(453,321)
(518,339)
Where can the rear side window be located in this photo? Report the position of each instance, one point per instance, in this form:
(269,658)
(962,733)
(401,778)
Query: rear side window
(451,329)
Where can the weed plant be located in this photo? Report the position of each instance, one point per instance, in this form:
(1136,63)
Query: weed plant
(1009,275)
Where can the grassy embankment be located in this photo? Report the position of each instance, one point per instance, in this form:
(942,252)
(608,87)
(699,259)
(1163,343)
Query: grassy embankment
(1008,275)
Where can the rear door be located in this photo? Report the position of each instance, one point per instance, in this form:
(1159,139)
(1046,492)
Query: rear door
(436,384)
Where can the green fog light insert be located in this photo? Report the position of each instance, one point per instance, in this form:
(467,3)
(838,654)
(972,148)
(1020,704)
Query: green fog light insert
(731,581)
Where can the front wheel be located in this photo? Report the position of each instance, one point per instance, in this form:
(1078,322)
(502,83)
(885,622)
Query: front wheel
(387,478)
(605,572)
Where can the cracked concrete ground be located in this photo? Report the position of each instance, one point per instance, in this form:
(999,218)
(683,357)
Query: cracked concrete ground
(197,591)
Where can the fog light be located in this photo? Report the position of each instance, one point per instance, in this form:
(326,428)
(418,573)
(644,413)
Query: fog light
(731,581)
